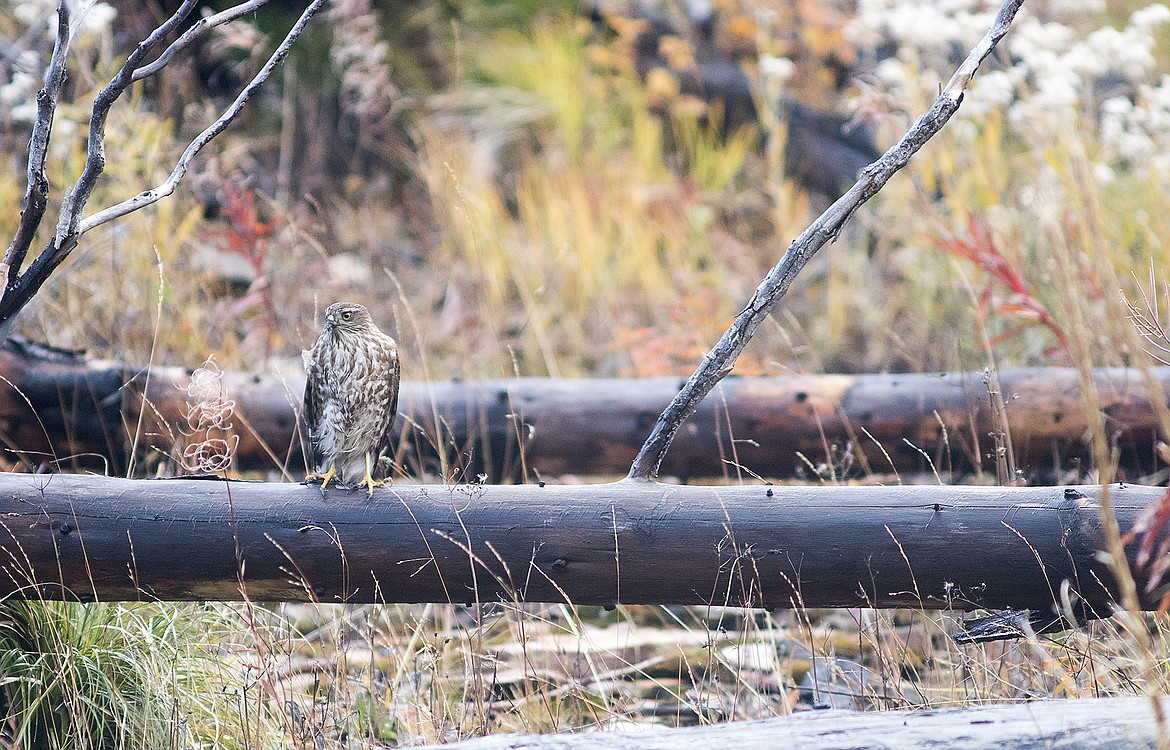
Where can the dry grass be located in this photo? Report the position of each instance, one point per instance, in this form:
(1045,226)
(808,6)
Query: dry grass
(362,676)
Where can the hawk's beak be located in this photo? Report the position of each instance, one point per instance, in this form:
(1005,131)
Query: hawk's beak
(330,320)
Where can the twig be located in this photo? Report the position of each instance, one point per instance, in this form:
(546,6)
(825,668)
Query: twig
(77,196)
(718,362)
(36,197)
(148,197)
(203,24)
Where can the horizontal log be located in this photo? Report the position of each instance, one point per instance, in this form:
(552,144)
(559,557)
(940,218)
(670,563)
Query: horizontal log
(629,542)
(86,413)
(61,409)
(843,424)
(1087,724)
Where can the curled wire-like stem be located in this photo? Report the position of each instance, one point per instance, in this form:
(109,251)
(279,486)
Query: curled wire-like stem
(719,361)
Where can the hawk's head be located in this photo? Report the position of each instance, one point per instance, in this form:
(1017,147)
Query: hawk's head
(347,316)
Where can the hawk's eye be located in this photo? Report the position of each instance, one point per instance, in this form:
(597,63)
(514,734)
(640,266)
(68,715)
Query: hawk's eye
(346,315)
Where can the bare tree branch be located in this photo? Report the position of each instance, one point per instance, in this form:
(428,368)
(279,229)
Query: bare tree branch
(718,362)
(147,197)
(70,226)
(18,289)
(36,197)
(203,24)
(78,195)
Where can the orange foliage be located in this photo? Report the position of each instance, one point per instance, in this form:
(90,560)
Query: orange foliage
(979,248)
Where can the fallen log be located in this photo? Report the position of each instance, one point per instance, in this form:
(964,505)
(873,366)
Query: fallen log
(630,542)
(66,410)
(1085,724)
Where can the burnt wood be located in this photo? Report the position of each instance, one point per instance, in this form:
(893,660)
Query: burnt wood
(65,410)
(630,542)
(844,425)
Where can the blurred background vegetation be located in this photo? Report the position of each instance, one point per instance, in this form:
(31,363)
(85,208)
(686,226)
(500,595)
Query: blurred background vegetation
(523,188)
(559,190)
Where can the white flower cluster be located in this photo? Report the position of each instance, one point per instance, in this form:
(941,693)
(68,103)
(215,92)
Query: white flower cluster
(774,75)
(1137,133)
(94,18)
(18,94)
(89,16)
(1048,69)
(929,28)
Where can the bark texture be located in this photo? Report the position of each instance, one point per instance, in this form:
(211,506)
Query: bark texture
(630,542)
(69,411)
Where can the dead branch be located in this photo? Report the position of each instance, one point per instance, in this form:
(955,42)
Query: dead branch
(22,286)
(718,362)
(69,222)
(36,197)
(148,197)
(197,28)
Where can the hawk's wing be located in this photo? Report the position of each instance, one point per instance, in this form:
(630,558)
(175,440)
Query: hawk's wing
(311,411)
(395,379)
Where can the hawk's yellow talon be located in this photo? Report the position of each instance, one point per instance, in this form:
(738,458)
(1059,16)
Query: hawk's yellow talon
(326,477)
(368,480)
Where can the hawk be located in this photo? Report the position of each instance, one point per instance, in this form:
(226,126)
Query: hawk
(351,397)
